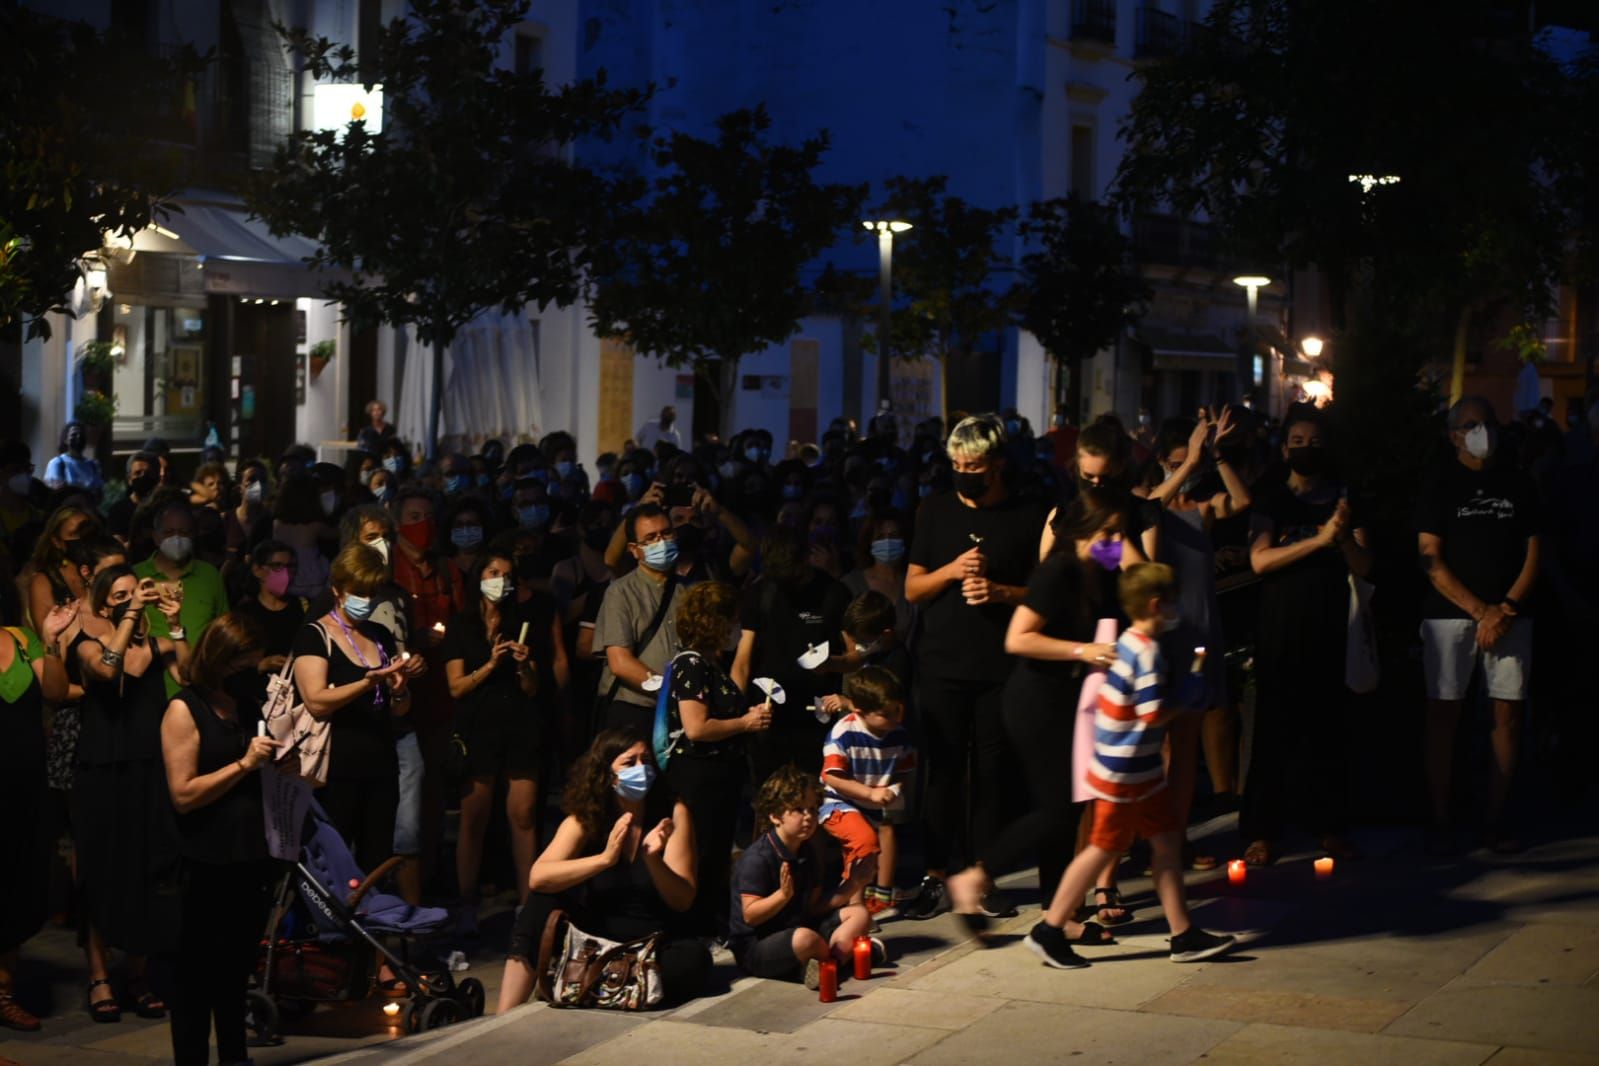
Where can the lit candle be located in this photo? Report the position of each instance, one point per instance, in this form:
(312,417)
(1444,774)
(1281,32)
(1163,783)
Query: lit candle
(1324,868)
(863,957)
(391,1009)
(1235,872)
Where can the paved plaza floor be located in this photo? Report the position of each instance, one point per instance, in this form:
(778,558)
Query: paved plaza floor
(1398,959)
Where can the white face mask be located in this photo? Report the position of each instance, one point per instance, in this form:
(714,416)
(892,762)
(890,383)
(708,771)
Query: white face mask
(494,588)
(177,548)
(330,501)
(254,491)
(381,546)
(1479,444)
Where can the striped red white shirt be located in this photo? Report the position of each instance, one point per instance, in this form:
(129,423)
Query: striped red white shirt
(1126,765)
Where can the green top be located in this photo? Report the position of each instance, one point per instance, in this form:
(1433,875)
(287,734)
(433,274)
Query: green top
(16,678)
(204,599)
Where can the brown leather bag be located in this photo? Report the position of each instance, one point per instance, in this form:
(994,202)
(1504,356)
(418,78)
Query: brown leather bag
(577,969)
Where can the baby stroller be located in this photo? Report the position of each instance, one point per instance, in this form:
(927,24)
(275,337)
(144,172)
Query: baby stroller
(325,938)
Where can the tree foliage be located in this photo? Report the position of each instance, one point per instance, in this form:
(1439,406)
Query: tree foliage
(703,260)
(1078,288)
(75,153)
(467,199)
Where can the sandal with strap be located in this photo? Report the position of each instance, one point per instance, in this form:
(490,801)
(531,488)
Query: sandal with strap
(13,1016)
(1111,900)
(145,1003)
(104,1010)
(1259,854)
(1093,935)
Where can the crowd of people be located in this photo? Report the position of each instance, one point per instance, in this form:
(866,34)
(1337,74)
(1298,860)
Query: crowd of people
(785,695)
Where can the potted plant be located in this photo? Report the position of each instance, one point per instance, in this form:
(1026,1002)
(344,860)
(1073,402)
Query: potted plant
(97,358)
(322,353)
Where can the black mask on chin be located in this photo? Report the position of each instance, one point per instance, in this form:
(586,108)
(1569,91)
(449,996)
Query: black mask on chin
(972,486)
(1307,462)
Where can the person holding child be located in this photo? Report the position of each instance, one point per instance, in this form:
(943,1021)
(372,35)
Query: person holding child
(866,763)
(783,925)
(621,866)
(1127,778)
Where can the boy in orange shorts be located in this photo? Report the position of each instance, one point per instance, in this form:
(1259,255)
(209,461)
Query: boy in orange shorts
(1128,780)
(865,762)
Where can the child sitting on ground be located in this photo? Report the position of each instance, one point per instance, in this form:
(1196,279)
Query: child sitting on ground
(781,924)
(866,762)
(1128,781)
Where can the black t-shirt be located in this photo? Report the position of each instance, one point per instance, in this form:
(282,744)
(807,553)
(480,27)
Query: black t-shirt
(786,621)
(1304,608)
(278,628)
(119,516)
(699,680)
(466,640)
(1071,597)
(959,641)
(363,743)
(1484,518)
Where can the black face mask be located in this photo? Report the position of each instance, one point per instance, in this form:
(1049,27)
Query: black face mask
(689,540)
(972,486)
(598,539)
(1307,462)
(143,484)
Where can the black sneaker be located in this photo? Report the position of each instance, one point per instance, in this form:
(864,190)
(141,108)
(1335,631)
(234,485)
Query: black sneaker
(930,902)
(1050,945)
(996,905)
(1196,944)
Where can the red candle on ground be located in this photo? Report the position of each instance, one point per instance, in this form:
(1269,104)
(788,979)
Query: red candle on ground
(1324,869)
(1235,872)
(863,957)
(828,992)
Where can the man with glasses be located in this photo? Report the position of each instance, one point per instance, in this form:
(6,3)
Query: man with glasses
(635,629)
(1477,528)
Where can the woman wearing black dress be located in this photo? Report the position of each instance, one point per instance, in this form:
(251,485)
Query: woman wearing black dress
(211,750)
(30,668)
(127,845)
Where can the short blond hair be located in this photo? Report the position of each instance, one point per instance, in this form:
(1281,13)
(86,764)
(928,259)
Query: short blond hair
(1141,583)
(359,570)
(975,437)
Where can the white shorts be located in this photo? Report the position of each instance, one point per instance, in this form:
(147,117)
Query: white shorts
(1450,654)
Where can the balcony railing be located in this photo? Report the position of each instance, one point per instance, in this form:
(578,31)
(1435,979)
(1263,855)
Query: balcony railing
(1094,20)
(1159,33)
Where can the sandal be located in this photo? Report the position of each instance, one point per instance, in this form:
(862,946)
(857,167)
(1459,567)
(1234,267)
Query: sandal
(12,1016)
(1259,854)
(1093,935)
(1112,901)
(103,1010)
(145,1003)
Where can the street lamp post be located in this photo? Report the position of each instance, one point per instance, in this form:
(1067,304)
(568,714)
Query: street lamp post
(885,228)
(1252,284)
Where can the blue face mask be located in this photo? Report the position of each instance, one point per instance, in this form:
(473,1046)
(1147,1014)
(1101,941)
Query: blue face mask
(661,555)
(359,608)
(455,483)
(792,491)
(564,469)
(483,481)
(394,465)
(533,516)
(888,550)
(634,484)
(633,783)
(386,493)
(755,453)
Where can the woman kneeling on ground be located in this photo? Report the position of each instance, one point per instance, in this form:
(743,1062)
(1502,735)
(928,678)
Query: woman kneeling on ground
(621,866)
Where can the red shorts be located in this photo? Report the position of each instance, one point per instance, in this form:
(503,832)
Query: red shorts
(855,834)
(1115,824)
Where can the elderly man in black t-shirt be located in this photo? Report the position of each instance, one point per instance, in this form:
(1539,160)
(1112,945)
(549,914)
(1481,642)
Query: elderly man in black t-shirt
(1478,535)
(973,550)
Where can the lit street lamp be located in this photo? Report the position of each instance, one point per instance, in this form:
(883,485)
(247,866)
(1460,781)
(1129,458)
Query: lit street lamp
(1311,346)
(886,228)
(1252,283)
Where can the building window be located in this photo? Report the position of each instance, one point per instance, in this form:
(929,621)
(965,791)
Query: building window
(529,52)
(1082,162)
(159,378)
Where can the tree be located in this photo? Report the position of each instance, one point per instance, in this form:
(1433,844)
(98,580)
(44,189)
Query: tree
(77,111)
(1265,124)
(1078,288)
(465,201)
(705,266)
(946,268)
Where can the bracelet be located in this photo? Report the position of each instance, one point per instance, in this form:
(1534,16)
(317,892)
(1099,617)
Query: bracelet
(110,658)
(178,633)
(1514,605)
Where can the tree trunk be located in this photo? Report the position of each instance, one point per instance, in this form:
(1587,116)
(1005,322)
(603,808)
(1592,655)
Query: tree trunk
(1457,371)
(437,411)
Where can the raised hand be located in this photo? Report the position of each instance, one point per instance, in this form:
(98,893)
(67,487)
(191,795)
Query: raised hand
(1199,437)
(655,840)
(785,882)
(759,717)
(60,617)
(261,750)
(618,837)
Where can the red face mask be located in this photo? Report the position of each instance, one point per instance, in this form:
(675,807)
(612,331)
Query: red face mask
(419,535)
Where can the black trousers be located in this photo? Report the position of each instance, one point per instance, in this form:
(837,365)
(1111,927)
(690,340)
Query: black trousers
(1040,727)
(363,813)
(224,913)
(685,961)
(1298,754)
(967,757)
(712,789)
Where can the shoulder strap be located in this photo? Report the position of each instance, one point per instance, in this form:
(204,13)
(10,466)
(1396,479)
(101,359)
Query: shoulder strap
(19,635)
(660,616)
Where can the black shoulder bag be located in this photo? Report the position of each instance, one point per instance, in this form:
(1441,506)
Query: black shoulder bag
(638,649)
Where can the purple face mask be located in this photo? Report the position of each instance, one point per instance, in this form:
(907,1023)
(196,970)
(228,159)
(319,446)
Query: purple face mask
(1107,553)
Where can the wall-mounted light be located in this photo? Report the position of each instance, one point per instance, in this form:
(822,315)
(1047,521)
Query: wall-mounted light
(1312,347)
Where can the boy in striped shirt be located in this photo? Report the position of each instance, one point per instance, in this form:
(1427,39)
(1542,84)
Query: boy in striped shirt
(865,761)
(1127,778)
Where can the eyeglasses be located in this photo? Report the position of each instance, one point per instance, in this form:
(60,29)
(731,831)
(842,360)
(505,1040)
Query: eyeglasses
(656,538)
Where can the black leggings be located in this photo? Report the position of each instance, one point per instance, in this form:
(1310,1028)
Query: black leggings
(1040,727)
(711,788)
(224,914)
(685,962)
(1298,744)
(966,765)
(363,813)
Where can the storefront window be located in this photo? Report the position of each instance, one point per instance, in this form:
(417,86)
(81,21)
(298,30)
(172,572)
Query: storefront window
(159,378)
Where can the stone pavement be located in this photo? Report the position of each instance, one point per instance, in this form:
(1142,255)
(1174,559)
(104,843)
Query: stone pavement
(1397,960)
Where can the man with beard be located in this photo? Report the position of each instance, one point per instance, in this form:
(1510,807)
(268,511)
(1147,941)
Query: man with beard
(969,563)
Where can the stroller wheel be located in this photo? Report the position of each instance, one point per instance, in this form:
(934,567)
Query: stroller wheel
(261,1020)
(413,1015)
(469,993)
(440,1012)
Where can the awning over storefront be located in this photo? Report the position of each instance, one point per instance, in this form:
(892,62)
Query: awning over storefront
(1176,350)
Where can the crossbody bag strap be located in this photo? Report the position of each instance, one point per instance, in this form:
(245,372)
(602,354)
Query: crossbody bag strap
(649,631)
